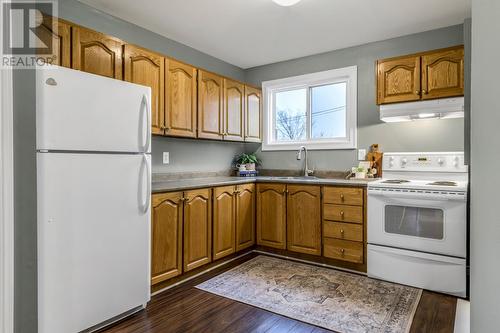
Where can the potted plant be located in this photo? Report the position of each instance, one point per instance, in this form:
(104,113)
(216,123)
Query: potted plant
(359,172)
(248,161)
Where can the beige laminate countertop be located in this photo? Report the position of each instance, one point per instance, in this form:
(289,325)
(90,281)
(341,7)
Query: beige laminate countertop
(194,183)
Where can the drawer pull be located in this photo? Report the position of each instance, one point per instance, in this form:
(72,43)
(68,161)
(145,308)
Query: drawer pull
(342,213)
(342,251)
(342,232)
(342,197)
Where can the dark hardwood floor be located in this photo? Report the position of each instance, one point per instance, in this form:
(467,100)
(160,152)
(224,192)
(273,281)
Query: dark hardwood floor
(187,309)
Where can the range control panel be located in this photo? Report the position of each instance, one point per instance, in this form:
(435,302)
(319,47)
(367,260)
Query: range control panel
(436,162)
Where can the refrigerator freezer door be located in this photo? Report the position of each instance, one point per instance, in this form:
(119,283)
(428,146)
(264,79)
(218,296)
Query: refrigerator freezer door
(78,111)
(93,238)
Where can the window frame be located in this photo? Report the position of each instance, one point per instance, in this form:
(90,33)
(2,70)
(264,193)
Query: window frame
(308,81)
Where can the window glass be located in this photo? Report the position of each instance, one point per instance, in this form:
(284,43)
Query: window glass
(291,115)
(328,111)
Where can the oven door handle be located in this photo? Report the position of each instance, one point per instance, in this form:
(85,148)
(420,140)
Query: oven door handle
(419,195)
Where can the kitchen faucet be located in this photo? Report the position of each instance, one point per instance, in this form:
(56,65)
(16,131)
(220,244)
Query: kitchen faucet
(307,172)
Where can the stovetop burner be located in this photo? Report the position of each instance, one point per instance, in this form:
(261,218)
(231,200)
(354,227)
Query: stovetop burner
(395,181)
(443,183)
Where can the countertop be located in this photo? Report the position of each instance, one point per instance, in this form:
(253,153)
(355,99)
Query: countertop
(194,183)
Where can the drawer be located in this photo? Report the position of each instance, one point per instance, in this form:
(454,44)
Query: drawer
(341,213)
(343,250)
(347,231)
(343,195)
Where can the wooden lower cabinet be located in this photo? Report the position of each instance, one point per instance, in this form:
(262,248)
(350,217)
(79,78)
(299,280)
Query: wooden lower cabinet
(197,228)
(304,219)
(245,216)
(271,215)
(166,240)
(224,216)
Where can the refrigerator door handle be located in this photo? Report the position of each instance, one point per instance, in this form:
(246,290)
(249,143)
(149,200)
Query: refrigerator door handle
(145,105)
(145,205)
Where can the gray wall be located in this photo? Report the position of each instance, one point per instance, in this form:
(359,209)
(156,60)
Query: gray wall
(485,140)
(430,135)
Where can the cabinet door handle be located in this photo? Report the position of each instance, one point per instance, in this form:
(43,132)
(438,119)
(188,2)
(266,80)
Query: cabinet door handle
(417,92)
(424,91)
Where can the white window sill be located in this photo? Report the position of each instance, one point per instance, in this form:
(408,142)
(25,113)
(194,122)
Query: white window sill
(309,146)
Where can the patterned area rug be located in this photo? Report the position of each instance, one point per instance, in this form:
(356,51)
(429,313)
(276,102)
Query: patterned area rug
(332,299)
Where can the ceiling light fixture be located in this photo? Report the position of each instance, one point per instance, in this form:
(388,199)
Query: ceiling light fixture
(286,3)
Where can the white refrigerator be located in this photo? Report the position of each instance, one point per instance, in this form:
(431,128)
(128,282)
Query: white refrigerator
(93,146)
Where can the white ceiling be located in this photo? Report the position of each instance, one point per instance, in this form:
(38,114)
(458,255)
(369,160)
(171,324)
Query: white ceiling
(249,33)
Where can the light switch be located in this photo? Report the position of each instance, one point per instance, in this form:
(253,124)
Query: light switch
(166,157)
(361,154)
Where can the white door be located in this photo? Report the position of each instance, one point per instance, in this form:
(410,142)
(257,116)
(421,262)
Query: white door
(93,238)
(421,221)
(78,111)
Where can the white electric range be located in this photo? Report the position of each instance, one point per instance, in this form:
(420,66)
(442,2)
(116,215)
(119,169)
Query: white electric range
(417,221)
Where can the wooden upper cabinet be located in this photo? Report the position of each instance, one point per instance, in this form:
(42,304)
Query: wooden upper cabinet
(147,68)
(166,236)
(210,105)
(96,53)
(55,31)
(224,221)
(443,74)
(245,216)
(197,228)
(304,219)
(234,103)
(398,80)
(180,99)
(271,215)
(253,114)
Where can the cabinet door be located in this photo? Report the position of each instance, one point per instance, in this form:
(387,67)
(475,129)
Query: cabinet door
(304,219)
(234,102)
(398,80)
(147,68)
(59,33)
(96,53)
(271,215)
(253,114)
(443,74)
(210,106)
(224,221)
(180,97)
(197,228)
(166,236)
(245,216)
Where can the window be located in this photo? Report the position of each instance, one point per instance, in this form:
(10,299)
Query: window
(315,110)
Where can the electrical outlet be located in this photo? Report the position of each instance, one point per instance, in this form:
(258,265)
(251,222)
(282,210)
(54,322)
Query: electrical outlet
(361,154)
(166,157)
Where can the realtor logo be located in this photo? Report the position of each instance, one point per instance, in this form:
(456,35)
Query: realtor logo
(27,35)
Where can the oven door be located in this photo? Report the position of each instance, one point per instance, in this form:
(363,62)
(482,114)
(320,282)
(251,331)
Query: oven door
(426,221)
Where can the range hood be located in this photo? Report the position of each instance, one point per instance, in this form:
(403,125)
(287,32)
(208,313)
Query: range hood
(444,108)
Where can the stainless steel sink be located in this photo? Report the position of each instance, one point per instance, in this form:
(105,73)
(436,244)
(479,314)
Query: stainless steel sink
(311,178)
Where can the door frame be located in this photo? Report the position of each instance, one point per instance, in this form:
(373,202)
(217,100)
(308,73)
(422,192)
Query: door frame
(6,202)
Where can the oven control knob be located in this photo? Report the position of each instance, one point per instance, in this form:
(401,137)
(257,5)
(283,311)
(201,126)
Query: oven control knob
(440,161)
(456,160)
(404,161)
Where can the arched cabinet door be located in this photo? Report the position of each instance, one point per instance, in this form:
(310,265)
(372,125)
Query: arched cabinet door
(96,53)
(147,68)
(271,215)
(253,114)
(197,228)
(210,106)
(166,236)
(224,216)
(304,219)
(442,74)
(398,80)
(234,104)
(180,99)
(245,216)
(57,33)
